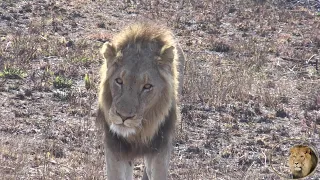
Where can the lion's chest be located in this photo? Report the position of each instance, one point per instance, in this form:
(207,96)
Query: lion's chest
(137,147)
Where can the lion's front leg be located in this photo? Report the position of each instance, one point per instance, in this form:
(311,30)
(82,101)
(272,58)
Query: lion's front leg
(118,168)
(157,165)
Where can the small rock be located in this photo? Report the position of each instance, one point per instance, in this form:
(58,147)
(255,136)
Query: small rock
(220,47)
(5,17)
(20,96)
(58,152)
(27,8)
(70,44)
(243,120)
(281,113)
(265,130)
(260,142)
(101,25)
(265,170)
(193,149)
(53,161)
(235,127)
(264,120)
(232,10)
(28,92)
(189,43)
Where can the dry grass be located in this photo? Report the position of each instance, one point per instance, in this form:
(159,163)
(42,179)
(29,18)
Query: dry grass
(251,80)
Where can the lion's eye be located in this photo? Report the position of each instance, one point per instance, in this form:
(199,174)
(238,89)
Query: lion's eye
(147,87)
(119,81)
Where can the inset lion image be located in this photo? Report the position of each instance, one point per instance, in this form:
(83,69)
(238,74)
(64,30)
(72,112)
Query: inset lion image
(302,161)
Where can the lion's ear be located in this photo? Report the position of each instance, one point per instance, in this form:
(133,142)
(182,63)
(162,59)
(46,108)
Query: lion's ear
(167,54)
(108,51)
(308,150)
(291,150)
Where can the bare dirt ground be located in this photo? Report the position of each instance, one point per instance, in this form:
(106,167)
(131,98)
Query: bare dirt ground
(252,81)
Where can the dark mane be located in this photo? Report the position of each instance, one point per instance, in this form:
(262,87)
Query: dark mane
(143,33)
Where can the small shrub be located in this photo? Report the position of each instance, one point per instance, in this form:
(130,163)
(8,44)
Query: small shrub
(220,46)
(87,82)
(62,82)
(12,73)
(82,60)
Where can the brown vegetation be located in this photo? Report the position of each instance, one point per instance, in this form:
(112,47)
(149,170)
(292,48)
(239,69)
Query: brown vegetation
(251,80)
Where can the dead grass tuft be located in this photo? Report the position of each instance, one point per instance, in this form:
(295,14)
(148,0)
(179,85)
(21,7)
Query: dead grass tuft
(251,80)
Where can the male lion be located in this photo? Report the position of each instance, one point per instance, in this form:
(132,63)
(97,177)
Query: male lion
(138,99)
(302,161)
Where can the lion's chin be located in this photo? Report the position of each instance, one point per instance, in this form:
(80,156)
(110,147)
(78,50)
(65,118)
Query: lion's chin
(297,168)
(122,130)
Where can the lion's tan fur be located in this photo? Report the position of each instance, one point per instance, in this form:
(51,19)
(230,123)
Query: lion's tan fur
(139,35)
(302,158)
(139,122)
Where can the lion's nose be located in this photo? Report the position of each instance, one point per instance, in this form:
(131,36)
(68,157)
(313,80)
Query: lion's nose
(124,117)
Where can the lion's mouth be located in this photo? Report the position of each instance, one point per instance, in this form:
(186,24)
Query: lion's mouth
(297,168)
(123,130)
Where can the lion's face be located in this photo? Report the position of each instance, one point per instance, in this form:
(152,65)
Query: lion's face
(300,162)
(139,86)
(135,88)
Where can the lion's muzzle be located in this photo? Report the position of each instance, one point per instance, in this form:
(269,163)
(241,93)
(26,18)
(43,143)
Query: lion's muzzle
(124,125)
(124,117)
(297,166)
